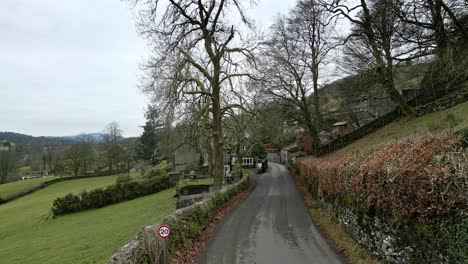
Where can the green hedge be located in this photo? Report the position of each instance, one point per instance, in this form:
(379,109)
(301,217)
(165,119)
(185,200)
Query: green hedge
(112,194)
(194,189)
(357,183)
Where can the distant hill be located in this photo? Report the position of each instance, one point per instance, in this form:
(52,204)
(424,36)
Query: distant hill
(97,137)
(22,139)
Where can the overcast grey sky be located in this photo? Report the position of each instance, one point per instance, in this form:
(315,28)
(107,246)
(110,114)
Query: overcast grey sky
(70,67)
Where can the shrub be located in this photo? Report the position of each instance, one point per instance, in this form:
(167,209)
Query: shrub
(155,173)
(112,194)
(64,205)
(422,178)
(463,135)
(455,233)
(123,179)
(194,189)
(258,151)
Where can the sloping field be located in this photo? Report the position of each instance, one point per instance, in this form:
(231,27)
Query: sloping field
(11,188)
(29,235)
(455,117)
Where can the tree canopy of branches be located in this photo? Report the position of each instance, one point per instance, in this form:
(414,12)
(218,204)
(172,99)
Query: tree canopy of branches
(294,58)
(314,29)
(80,157)
(196,51)
(374,29)
(112,134)
(436,27)
(8,161)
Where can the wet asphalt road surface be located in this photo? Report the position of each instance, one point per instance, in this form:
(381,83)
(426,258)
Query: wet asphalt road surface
(271,226)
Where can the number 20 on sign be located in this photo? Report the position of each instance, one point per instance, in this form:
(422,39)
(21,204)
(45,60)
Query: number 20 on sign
(164,231)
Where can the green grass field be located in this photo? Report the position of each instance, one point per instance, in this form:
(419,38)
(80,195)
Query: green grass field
(456,116)
(25,168)
(27,235)
(21,185)
(18,186)
(13,146)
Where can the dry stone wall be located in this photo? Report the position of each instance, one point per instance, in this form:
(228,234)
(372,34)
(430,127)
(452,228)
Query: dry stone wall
(185,223)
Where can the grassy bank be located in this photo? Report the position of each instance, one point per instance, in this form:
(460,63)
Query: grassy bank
(455,117)
(11,188)
(28,235)
(434,123)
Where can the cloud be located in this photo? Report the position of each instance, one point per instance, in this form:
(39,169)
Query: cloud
(69,67)
(72,66)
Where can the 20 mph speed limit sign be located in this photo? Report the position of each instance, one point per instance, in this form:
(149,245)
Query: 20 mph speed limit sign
(164,231)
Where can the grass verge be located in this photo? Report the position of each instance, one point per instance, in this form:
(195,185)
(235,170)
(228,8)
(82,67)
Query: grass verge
(335,233)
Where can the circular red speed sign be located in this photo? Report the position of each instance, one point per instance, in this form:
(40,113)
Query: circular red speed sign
(164,231)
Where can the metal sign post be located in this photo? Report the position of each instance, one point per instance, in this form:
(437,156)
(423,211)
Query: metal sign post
(164,251)
(164,232)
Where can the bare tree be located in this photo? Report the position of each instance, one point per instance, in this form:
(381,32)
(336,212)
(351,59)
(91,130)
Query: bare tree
(199,129)
(196,51)
(426,28)
(7,164)
(236,123)
(377,32)
(88,153)
(112,134)
(315,30)
(285,77)
(79,155)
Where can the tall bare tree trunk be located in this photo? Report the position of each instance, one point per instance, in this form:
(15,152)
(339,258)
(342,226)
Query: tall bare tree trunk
(238,163)
(217,142)
(385,74)
(210,159)
(217,128)
(318,115)
(443,50)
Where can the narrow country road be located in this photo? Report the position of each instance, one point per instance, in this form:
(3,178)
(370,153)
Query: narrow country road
(271,226)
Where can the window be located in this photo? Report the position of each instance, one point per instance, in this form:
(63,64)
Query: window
(247,161)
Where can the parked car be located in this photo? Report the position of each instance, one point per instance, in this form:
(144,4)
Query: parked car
(262,165)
